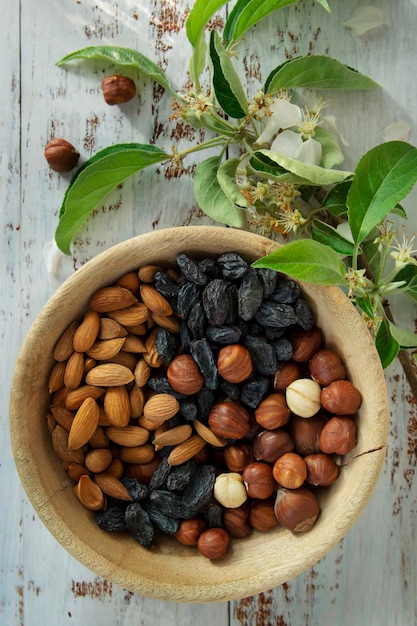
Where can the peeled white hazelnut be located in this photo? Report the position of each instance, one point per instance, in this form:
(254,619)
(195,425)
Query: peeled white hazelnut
(229,490)
(303,397)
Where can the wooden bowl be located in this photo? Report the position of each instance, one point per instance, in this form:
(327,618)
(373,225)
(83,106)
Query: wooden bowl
(170,571)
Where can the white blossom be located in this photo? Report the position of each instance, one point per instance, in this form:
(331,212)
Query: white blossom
(364,19)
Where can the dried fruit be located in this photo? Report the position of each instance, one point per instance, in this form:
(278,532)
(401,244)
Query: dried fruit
(84,424)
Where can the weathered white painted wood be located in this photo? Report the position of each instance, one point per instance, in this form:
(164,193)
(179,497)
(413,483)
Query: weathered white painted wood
(371,577)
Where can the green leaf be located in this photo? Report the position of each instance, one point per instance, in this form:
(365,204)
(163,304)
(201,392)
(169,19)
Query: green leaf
(199,16)
(246,13)
(211,197)
(335,200)
(314,174)
(325,4)
(226,177)
(387,346)
(408,274)
(332,154)
(198,58)
(317,72)
(405,338)
(227,86)
(365,305)
(307,260)
(123,57)
(95,179)
(372,254)
(261,164)
(329,236)
(383,177)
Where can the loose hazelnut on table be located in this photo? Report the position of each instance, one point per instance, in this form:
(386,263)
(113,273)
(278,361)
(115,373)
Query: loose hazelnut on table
(61,155)
(118,89)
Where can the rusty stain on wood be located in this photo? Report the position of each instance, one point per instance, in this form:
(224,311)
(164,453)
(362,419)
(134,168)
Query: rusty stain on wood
(98,589)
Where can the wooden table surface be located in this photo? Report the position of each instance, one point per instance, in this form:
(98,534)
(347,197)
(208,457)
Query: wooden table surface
(370,577)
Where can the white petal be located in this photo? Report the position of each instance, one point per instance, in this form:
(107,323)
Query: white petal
(397,131)
(287,143)
(58,265)
(268,133)
(344,230)
(331,122)
(364,19)
(286,113)
(310,152)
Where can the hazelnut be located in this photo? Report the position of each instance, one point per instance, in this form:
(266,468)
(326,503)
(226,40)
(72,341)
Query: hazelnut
(61,155)
(303,397)
(236,522)
(290,470)
(304,344)
(286,373)
(229,420)
(189,530)
(234,363)
(258,480)
(341,398)
(326,366)
(296,509)
(338,436)
(262,516)
(272,412)
(118,89)
(269,445)
(322,469)
(229,490)
(213,543)
(184,375)
(305,433)
(238,456)
(143,471)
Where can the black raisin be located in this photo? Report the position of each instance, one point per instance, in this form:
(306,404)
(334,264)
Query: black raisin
(286,291)
(139,524)
(166,285)
(262,355)
(272,333)
(268,278)
(305,317)
(170,503)
(112,519)
(136,489)
(250,295)
(224,334)
(209,267)
(188,409)
(188,295)
(160,384)
(219,301)
(166,344)
(282,348)
(213,515)
(162,521)
(275,314)
(186,338)
(159,476)
(254,391)
(202,354)
(191,270)
(232,390)
(197,320)
(205,400)
(181,475)
(232,265)
(198,493)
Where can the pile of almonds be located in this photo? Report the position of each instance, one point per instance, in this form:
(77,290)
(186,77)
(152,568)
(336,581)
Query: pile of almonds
(106,423)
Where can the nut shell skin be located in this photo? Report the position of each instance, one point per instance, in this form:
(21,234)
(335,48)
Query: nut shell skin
(286,373)
(229,420)
(189,531)
(118,89)
(290,470)
(341,398)
(262,516)
(184,375)
(272,412)
(234,363)
(238,456)
(236,522)
(61,155)
(305,433)
(303,397)
(296,509)
(259,480)
(322,469)
(213,543)
(338,436)
(269,445)
(326,367)
(304,344)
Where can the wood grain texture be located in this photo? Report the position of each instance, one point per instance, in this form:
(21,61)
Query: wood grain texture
(370,577)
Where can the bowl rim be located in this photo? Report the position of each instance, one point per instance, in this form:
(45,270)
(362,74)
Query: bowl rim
(368,465)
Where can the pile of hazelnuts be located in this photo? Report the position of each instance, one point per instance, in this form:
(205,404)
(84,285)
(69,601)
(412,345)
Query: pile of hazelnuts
(289,448)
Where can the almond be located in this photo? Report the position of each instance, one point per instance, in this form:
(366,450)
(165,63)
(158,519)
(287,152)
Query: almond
(134,344)
(166,321)
(89,494)
(99,438)
(76,470)
(140,454)
(161,407)
(117,406)
(128,359)
(109,375)
(76,397)
(106,349)
(147,273)
(208,435)
(154,300)
(60,444)
(87,332)
(151,355)
(84,424)
(98,460)
(110,329)
(111,486)
(142,372)
(56,377)
(115,468)
(173,436)
(51,423)
(63,416)
(185,451)
(131,316)
(137,401)
(129,281)
(65,346)
(89,363)
(138,329)
(74,370)
(110,299)
(129,436)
